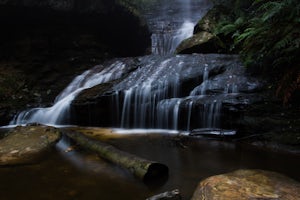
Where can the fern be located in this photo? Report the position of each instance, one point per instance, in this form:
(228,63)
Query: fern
(269,37)
(227,29)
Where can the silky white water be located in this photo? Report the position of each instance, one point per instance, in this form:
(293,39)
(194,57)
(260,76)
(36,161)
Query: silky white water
(152,95)
(59,113)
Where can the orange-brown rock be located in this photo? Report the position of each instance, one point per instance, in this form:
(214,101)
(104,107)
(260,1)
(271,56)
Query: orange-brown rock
(26,144)
(248,185)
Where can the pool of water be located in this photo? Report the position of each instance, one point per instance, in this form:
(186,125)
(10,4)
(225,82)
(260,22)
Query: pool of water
(81,175)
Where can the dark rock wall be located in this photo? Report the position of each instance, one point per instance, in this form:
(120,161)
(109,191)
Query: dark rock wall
(56,27)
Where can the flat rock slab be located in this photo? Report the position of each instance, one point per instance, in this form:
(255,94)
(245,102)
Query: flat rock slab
(248,185)
(25,144)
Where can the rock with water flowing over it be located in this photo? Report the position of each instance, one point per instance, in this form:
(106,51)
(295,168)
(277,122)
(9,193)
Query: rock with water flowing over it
(248,185)
(168,92)
(25,145)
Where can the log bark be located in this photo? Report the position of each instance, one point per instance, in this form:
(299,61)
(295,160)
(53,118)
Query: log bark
(148,171)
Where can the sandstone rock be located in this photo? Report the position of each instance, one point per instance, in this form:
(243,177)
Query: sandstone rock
(25,145)
(248,185)
(203,42)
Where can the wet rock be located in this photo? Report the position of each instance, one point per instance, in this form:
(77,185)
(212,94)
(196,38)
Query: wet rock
(227,89)
(98,103)
(102,99)
(248,184)
(27,144)
(205,39)
(203,42)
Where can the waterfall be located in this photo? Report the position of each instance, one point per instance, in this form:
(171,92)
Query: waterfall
(159,90)
(173,22)
(147,86)
(58,114)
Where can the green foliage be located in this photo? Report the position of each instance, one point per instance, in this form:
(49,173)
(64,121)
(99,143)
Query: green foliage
(267,35)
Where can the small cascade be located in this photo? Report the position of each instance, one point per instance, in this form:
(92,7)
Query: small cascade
(145,87)
(173,22)
(58,114)
(168,113)
(211,114)
(189,115)
(154,97)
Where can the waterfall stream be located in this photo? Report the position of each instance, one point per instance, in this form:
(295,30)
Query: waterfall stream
(161,90)
(174,21)
(59,113)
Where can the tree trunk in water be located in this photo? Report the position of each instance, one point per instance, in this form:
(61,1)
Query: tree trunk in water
(146,170)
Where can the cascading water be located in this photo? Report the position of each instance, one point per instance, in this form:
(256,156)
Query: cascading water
(173,21)
(58,114)
(160,90)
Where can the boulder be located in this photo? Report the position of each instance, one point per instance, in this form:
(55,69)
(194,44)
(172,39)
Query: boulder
(25,145)
(203,42)
(248,185)
(204,39)
(209,22)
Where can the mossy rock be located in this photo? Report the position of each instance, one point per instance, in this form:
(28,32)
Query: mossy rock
(210,21)
(203,42)
(25,145)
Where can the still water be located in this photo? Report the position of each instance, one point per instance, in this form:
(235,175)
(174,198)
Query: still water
(81,175)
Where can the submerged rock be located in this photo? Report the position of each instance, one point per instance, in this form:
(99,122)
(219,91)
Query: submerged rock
(25,145)
(248,184)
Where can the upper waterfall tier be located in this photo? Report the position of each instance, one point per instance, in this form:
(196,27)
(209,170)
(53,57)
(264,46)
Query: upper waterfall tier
(173,21)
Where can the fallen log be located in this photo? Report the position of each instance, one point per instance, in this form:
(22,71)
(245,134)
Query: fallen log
(148,171)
